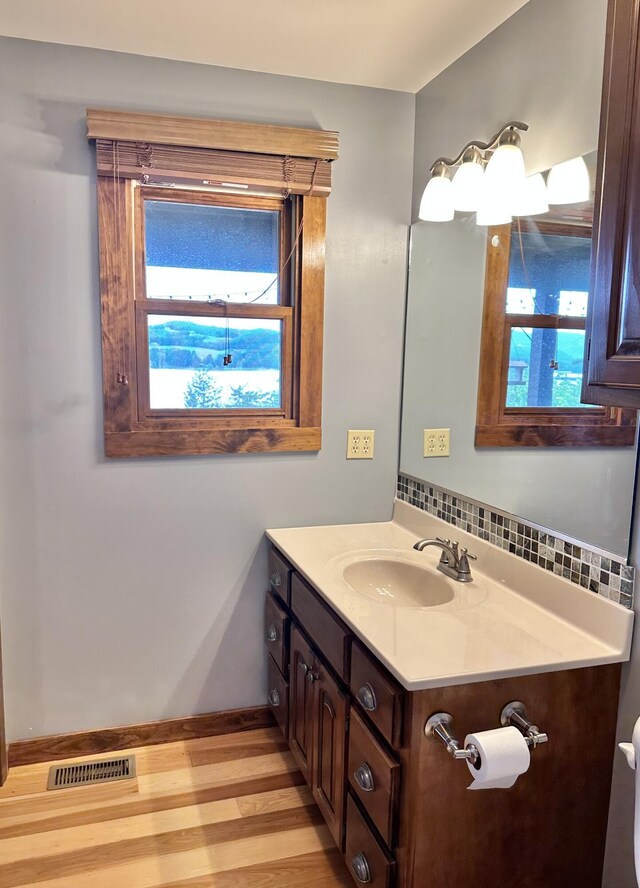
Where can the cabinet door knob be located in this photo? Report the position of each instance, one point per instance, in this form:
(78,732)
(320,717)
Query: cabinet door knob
(364,777)
(275,579)
(312,676)
(271,633)
(360,868)
(303,666)
(367,698)
(274,697)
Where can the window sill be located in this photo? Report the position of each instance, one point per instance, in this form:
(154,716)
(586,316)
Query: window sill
(201,442)
(549,435)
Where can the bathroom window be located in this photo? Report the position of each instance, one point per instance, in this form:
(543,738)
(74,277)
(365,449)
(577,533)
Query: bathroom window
(533,342)
(212,279)
(215,317)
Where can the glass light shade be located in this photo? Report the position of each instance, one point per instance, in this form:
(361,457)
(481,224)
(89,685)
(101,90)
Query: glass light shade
(467,187)
(437,201)
(505,171)
(568,182)
(531,199)
(494,208)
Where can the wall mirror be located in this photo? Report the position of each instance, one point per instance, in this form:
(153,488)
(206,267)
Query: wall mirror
(494,352)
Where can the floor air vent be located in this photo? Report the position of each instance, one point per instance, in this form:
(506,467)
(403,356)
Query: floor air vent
(84,773)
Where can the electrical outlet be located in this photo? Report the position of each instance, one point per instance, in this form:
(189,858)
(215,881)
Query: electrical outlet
(436,442)
(360,443)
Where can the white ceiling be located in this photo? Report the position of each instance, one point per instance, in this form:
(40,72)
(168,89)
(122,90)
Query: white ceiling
(393,44)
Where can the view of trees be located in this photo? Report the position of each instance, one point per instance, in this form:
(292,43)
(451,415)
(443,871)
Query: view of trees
(570,349)
(566,393)
(203,392)
(567,381)
(187,345)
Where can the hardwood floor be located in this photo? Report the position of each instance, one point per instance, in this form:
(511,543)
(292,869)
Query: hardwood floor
(220,812)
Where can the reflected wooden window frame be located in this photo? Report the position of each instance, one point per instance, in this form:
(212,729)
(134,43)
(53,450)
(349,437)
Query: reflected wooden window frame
(500,426)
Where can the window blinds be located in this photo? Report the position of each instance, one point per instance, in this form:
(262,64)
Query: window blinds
(187,151)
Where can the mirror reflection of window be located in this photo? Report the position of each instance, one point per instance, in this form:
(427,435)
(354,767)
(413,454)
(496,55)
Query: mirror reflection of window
(548,278)
(533,337)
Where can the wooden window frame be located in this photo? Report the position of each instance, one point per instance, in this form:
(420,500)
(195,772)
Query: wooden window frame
(500,426)
(285,311)
(131,427)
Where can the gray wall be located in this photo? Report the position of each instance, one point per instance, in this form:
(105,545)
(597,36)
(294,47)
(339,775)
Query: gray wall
(537,67)
(134,590)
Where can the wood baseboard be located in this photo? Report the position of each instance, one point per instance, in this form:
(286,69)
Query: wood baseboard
(62,746)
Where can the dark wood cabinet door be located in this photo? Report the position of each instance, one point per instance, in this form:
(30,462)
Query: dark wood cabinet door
(612,372)
(328,782)
(301,693)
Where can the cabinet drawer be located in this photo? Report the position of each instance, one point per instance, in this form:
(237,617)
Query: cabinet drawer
(329,634)
(279,575)
(278,696)
(378,695)
(367,860)
(374,777)
(276,633)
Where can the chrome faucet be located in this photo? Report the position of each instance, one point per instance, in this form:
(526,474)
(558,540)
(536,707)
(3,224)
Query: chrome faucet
(454,561)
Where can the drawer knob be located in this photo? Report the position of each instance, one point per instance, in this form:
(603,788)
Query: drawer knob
(367,698)
(364,777)
(271,633)
(275,579)
(360,868)
(274,697)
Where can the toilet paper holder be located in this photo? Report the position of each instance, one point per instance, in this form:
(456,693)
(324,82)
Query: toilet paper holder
(439,727)
(516,714)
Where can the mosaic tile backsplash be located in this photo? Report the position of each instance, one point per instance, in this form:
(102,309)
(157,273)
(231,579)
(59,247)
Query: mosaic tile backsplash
(601,575)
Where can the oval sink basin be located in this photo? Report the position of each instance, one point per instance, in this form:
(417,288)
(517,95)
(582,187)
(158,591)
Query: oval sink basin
(398,583)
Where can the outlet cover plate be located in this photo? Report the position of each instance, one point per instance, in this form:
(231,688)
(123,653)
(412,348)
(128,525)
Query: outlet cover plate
(436,442)
(360,443)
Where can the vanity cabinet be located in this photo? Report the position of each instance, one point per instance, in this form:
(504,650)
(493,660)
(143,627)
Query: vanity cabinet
(396,803)
(329,707)
(301,704)
(612,372)
(318,712)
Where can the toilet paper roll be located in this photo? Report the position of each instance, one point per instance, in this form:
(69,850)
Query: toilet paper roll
(504,755)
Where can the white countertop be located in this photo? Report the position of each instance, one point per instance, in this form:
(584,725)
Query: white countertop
(514,618)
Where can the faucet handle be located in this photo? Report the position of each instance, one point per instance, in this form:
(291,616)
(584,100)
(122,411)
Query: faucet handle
(444,557)
(464,573)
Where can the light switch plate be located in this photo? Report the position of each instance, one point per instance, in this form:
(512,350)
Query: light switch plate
(360,443)
(436,442)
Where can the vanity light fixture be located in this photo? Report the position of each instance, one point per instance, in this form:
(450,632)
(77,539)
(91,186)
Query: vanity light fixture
(487,174)
(568,182)
(531,200)
(494,207)
(468,181)
(505,169)
(437,201)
